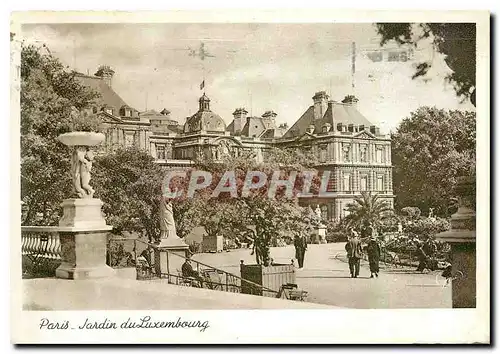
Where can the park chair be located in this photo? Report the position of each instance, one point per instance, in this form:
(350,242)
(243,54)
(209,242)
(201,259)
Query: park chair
(290,291)
(187,281)
(213,278)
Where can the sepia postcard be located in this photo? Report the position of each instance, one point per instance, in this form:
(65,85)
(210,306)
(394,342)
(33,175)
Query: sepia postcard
(250,177)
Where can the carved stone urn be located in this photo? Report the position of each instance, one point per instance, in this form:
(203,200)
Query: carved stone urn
(82,228)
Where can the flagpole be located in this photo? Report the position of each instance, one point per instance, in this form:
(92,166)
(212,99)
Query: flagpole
(204,83)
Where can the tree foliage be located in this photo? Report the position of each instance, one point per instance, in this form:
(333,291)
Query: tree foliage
(48,93)
(367,210)
(255,216)
(128,181)
(431,149)
(456,40)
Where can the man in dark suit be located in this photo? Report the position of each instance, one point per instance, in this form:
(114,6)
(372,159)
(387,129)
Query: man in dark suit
(300,244)
(354,254)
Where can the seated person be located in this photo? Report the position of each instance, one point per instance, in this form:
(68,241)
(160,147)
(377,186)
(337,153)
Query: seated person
(189,272)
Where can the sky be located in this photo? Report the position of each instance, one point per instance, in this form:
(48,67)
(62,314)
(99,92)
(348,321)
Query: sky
(259,67)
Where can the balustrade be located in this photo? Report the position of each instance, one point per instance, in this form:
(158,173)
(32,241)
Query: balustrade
(40,250)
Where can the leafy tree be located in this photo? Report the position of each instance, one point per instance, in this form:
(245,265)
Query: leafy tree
(430,150)
(424,228)
(48,93)
(254,216)
(187,213)
(128,181)
(411,212)
(366,210)
(455,40)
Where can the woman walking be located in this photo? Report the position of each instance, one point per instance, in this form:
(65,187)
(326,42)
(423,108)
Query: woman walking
(373,251)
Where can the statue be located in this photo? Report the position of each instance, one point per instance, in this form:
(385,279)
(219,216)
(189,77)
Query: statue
(318,213)
(431,213)
(81,165)
(167,222)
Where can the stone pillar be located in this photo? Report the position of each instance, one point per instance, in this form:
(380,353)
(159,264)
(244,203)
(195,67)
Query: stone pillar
(462,238)
(169,257)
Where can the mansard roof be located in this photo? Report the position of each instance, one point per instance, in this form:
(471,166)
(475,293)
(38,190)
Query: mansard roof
(337,112)
(108,96)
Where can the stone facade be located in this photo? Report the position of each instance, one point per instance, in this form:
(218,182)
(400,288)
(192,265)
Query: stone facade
(356,154)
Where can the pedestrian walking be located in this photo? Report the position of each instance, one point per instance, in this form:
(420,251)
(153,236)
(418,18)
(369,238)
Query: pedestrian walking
(354,254)
(422,258)
(300,244)
(373,251)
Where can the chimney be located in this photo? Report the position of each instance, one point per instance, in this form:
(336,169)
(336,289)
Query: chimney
(350,127)
(240,118)
(372,129)
(270,116)
(105,73)
(350,100)
(320,100)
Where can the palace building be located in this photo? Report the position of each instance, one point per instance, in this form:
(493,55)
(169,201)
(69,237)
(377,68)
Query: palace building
(344,141)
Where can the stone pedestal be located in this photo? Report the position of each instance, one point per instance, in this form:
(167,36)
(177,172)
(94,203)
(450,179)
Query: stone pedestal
(463,251)
(462,238)
(319,234)
(83,237)
(82,213)
(168,256)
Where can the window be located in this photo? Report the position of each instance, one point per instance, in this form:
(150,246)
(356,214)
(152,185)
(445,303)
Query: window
(362,153)
(393,56)
(128,113)
(380,183)
(322,154)
(160,152)
(346,183)
(129,139)
(379,155)
(109,111)
(346,152)
(363,185)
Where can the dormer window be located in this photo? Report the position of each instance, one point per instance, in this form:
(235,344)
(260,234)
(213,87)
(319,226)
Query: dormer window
(126,111)
(108,110)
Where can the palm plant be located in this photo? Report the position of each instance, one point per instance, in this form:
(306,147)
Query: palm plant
(366,210)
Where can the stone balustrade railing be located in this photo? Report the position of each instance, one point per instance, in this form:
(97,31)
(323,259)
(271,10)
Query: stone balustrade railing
(42,241)
(40,249)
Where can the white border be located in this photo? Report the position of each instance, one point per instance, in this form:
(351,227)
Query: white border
(335,326)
